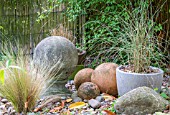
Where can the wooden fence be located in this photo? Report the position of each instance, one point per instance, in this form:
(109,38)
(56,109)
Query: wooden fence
(19,22)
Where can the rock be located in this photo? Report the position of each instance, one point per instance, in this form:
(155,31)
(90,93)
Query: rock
(55,57)
(104,76)
(141,101)
(94,103)
(2,107)
(82,76)
(10,110)
(88,90)
(77,99)
(72,82)
(99,98)
(73,95)
(4,100)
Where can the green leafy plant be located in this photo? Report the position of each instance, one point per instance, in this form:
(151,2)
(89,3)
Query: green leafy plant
(164,95)
(105,33)
(112,107)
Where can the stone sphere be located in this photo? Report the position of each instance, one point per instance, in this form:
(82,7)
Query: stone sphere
(56,50)
(58,57)
(82,76)
(104,76)
(88,90)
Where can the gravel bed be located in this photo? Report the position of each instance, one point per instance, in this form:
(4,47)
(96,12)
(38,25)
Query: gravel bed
(55,108)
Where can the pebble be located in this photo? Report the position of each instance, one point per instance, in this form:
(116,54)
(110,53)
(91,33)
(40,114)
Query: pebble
(77,99)
(13,112)
(74,95)
(4,100)
(94,103)
(99,98)
(2,107)
(93,106)
(72,82)
(63,97)
(85,100)
(10,110)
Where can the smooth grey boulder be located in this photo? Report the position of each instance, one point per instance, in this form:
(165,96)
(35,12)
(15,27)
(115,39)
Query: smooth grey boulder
(140,101)
(55,57)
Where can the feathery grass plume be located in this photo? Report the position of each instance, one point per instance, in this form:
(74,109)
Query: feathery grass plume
(22,85)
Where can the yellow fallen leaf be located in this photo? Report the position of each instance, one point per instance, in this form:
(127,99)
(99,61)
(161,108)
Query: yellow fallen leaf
(77,105)
(68,100)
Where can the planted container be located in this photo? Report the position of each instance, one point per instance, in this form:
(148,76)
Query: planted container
(127,81)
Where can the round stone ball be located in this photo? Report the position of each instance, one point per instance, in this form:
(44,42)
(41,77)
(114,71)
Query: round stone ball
(82,76)
(58,53)
(104,76)
(88,90)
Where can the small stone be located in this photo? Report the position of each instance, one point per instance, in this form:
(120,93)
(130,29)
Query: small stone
(7,105)
(74,95)
(86,113)
(94,103)
(57,103)
(85,100)
(72,82)
(67,85)
(63,97)
(2,106)
(4,100)
(10,110)
(77,99)
(13,112)
(99,98)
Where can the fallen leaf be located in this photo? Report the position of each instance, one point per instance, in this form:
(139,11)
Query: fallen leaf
(77,105)
(2,76)
(108,97)
(62,104)
(56,109)
(37,109)
(109,112)
(50,100)
(69,100)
